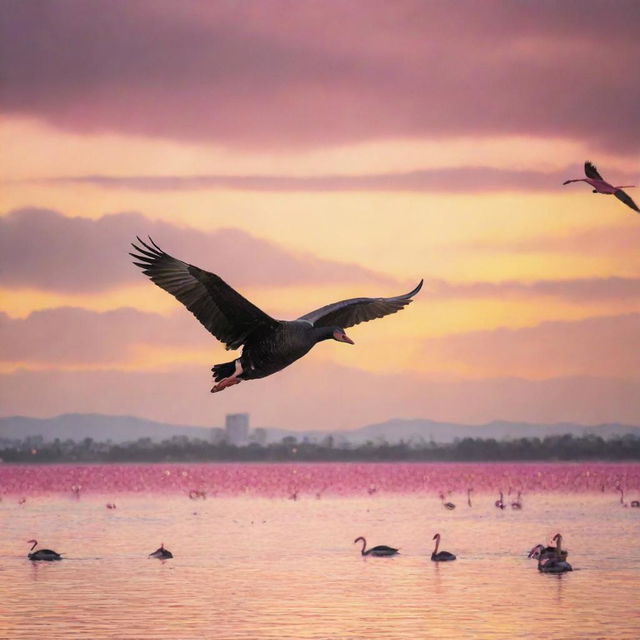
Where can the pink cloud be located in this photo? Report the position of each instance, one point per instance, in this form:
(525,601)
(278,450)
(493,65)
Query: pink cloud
(287,74)
(601,346)
(466,179)
(578,290)
(68,335)
(44,249)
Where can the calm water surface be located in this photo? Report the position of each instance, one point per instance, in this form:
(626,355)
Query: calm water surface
(255,566)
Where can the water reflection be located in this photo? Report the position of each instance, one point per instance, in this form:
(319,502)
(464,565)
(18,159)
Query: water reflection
(260,568)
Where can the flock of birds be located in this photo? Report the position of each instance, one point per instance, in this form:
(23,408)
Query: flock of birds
(551,558)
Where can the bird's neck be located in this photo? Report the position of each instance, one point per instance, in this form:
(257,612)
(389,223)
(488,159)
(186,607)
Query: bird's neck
(322,333)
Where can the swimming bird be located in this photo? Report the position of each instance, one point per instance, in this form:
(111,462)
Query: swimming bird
(554,562)
(500,502)
(517,503)
(622,502)
(447,505)
(269,345)
(602,186)
(379,551)
(541,552)
(41,554)
(440,556)
(161,553)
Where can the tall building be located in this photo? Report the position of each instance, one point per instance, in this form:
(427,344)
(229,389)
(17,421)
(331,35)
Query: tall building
(236,427)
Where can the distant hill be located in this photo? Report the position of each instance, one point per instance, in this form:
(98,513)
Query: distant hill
(428,430)
(99,427)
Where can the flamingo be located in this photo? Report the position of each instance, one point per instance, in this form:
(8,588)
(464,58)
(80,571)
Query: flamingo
(469,495)
(161,553)
(602,186)
(517,503)
(622,502)
(41,554)
(447,505)
(441,556)
(379,551)
(500,501)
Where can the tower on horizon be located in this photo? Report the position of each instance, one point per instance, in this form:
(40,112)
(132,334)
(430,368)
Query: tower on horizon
(236,427)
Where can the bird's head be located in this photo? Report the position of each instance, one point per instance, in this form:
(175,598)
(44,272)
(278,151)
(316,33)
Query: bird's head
(436,537)
(341,336)
(557,537)
(34,542)
(359,539)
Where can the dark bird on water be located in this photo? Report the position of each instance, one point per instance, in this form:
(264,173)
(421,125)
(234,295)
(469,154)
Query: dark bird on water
(161,553)
(380,550)
(269,345)
(602,186)
(441,556)
(41,554)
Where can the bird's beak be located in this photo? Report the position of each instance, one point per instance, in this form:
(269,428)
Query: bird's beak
(345,338)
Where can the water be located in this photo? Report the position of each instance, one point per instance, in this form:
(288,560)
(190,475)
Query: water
(253,564)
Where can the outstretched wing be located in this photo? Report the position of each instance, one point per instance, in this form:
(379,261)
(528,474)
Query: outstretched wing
(591,171)
(626,198)
(347,313)
(222,310)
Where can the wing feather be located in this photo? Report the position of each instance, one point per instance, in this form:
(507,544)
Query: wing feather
(226,314)
(623,196)
(591,171)
(348,313)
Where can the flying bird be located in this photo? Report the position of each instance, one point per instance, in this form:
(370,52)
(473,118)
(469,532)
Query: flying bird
(269,345)
(602,186)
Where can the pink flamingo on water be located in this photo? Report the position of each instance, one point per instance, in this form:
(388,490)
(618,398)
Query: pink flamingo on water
(602,186)
(622,502)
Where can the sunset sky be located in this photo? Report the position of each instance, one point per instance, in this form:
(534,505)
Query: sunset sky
(308,152)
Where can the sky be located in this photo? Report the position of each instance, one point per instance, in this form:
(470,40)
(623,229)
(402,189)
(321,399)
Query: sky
(308,152)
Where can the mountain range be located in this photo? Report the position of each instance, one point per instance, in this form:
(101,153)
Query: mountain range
(102,428)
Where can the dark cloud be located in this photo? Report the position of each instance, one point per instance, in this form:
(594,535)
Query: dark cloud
(472,179)
(285,74)
(43,249)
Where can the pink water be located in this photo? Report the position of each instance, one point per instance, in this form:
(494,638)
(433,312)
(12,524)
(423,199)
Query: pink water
(340,479)
(250,563)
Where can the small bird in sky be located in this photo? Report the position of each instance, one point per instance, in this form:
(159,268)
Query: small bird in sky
(602,186)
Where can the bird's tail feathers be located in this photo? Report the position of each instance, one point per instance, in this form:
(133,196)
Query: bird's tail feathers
(221,371)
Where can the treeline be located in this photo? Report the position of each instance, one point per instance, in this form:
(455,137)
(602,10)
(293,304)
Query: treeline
(182,449)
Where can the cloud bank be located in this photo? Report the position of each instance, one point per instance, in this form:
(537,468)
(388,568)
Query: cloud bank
(284,75)
(44,249)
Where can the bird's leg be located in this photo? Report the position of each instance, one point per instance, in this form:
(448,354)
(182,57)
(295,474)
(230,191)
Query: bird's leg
(229,381)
